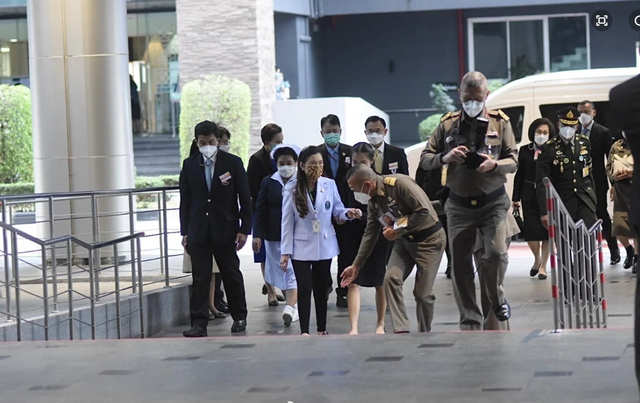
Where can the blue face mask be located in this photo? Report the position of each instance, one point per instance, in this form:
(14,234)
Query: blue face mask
(332,139)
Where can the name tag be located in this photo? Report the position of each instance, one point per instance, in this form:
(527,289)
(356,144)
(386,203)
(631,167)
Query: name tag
(393,167)
(585,172)
(224,178)
(347,160)
(316,226)
(492,134)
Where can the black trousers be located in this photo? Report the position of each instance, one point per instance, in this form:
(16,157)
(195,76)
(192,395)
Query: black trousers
(229,265)
(603,214)
(312,277)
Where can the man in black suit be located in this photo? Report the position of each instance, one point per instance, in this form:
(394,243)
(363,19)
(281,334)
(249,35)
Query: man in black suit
(215,218)
(388,159)
(260,166)
(337,162)
(624,104)
(601,142)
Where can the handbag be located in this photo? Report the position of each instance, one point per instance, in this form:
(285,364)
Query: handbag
(186,264)
(519,237)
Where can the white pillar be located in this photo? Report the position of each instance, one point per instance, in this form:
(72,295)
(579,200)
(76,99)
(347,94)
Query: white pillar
(78,58)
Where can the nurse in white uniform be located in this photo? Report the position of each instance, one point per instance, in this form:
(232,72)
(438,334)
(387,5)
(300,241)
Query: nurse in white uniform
(308,237)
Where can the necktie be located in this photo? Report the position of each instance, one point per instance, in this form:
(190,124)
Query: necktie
(378,162)
(207,172)
(585,131)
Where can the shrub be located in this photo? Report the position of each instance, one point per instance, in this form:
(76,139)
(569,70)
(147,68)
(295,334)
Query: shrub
(16,148)
(428,126)
(223,100)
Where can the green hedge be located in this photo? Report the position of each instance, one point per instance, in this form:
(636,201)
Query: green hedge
(16,144)
(223,100)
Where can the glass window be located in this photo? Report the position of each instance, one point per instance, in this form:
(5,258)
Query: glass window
(568,49)
(490,49)
(526,43)
(14,51)
(516,118)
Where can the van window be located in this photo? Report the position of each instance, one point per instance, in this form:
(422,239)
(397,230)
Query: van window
(550,111)
(516,117)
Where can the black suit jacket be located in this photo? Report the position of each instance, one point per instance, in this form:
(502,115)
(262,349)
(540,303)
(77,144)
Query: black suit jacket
(260,166)
(224,211)
(524,183)
(601,142)
(394,161)
(268,212)
(344,165)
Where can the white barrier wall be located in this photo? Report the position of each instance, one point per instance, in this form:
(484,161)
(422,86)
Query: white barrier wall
(300,119)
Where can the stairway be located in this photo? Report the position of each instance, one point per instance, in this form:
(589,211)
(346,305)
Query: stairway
(156,155)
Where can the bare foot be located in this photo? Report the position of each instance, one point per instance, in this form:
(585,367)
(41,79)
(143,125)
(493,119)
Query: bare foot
(305,334)
(380,330)
(353,332)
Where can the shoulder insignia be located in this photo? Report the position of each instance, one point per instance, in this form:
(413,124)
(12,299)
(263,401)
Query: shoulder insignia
(389,181)
(503,115)
(582,137)
(445,117)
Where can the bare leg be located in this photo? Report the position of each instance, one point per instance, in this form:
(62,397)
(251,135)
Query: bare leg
(625,241)
(292,297)
(381,309)
(212,293)
(271,292)
(534,246)
(544,257)
(353,303)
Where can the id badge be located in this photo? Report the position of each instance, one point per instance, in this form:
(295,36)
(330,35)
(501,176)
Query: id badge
(316,226)
(585,172)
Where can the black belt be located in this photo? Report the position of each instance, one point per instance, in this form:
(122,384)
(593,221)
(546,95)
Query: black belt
(424,234)
(479,201)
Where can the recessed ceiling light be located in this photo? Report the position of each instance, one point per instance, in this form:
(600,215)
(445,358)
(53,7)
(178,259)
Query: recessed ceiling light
(5,50)
(13,40)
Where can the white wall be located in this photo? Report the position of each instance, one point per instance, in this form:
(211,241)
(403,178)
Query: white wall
(300,119)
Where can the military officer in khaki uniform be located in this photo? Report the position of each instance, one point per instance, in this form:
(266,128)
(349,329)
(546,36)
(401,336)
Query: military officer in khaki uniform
(479,149)
(566,161)
(400,210)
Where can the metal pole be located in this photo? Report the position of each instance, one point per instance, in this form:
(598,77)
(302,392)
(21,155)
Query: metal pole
(116,269)
(602,279)
(45,292)
(7,277)
(14,249)
(165,236)
(141,291)
(160,240)
(96,252)
(132,228)
(92,295)
(70,291)
(551,212)
(54,262)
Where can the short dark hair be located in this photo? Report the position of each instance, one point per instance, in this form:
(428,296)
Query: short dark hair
(206,128)
(331,119)
(269,131)
(222,131)
(373,119)
(539,122)
(587,102)
(361,172)
(285,151)
(363,148)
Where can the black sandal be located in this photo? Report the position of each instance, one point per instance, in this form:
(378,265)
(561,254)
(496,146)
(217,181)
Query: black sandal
(542,276)
(534,270)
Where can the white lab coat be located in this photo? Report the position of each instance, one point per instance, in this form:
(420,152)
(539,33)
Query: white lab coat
(298,239)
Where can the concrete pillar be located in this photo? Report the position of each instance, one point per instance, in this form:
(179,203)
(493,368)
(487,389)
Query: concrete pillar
(78,56)
(232,38)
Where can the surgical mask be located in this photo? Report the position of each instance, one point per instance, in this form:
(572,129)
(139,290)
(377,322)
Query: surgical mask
(585,119)
(332,139)
(473,108)
(286,171)
(362,198)
(225,148)
(314,172)
(209,151)
(375,138)
(540,139)
(567,132)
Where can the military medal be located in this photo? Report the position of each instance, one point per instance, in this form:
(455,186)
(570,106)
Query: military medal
(561,168)
(566,160)
(555,162)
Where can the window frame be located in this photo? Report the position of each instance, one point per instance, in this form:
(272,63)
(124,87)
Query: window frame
(545,38)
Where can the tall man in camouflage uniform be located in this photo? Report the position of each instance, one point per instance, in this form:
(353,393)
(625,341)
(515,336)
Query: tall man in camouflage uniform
(478,164)
(400,210)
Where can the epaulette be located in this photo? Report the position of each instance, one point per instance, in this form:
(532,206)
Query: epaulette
(499,113)
(581,136)
(449,115)
(389,181)
(552,140)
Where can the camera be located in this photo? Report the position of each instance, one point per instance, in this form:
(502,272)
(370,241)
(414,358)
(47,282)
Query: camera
(478,136)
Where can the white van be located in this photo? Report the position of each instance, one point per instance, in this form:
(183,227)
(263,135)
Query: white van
(543,95)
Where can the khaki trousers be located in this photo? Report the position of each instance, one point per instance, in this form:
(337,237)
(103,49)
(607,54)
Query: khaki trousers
(426,255)
(491,221)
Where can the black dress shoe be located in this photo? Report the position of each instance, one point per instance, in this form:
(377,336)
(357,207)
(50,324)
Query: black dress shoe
(615,257)
(195,331)
(628,262)
(222,307)
(503,312)
(239,326)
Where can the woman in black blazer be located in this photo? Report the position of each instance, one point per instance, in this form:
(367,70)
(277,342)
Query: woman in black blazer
(267,228)
(524,191)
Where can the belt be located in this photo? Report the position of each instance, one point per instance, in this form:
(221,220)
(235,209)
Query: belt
(479,201)
(424,234)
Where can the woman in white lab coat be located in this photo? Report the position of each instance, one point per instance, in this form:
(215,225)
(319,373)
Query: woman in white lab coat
(308,237)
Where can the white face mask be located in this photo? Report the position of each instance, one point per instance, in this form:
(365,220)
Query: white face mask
(567,132)
(225,148)
(585,119)
(473,108)
(540,139)
(375,138)
(362,198)
(209,151)
(286,171)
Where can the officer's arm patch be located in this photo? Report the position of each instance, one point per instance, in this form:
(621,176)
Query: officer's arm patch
(389,181)
(503,115)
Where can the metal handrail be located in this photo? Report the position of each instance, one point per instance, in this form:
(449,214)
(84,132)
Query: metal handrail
(118,192)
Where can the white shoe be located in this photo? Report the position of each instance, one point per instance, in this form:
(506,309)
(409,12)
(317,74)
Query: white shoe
(295,314)
(287,315)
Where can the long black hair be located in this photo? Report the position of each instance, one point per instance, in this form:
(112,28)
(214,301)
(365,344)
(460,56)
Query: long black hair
(302,187)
